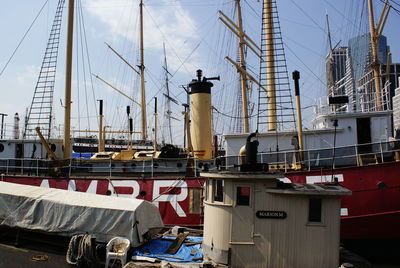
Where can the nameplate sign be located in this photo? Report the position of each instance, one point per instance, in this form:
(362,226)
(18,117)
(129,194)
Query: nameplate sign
(262,214)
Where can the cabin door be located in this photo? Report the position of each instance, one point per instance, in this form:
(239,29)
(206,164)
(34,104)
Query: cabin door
(242,215)
(364,134)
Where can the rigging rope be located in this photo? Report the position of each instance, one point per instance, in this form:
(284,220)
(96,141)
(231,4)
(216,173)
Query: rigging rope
(23,38)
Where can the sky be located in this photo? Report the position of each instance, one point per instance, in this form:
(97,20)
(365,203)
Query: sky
(194,39)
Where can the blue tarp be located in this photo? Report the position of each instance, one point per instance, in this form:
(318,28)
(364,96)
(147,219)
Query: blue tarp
(159,246)
(82,155)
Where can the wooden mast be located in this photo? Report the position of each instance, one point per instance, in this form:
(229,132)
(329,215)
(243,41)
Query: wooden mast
(374,54)
(168,114)
(243,77)
(141,67)
(68,79)
(270,62)
(375,35)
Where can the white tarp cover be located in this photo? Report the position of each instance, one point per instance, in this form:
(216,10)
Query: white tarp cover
(68,213)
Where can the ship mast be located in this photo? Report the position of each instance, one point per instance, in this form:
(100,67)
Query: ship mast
(168,98)
(375,34)
(270,64)
(141,67)
(68,79)
(243,77)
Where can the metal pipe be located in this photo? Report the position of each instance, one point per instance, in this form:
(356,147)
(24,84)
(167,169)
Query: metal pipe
(2,124)
(155,125)
(16,126)
(270,62)
(101,117)
(68,81)
(296,78)
(130,128)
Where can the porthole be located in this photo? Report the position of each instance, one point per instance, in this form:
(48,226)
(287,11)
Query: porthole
(381,185)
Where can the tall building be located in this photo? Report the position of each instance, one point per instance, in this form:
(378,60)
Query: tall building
(360,54)
(339,75)
(348,73)
(396,106)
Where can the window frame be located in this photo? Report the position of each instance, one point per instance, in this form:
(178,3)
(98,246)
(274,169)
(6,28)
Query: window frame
(214,191)
(236,187)
(321,205)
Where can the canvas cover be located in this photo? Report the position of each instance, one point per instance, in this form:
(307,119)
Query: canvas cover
(68,213)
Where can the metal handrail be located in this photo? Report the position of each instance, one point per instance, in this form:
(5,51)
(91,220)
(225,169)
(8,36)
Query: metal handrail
(350,154)
(346,156)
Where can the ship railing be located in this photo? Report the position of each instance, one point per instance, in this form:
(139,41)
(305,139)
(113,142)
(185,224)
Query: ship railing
(25,166)
(108,167)
(362,101)
(312,159)
(149,166)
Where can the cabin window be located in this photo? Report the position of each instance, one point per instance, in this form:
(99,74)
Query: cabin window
(315,210)
(195,200)
(218,186)
(243,196)
(1,147)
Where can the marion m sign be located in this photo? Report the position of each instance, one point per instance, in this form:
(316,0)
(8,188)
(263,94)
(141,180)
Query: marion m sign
(268,214)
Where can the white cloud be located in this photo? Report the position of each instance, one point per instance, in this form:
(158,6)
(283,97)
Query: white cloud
(170,24)
(28,77)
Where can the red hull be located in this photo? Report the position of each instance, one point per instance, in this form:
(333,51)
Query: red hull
(373,209)
(371,212)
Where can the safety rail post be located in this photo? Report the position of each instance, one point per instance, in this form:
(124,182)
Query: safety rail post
(70,167)
(308,160)
(110,166)
(358,160)
(152,167)
(284,158)
(8,164)
(380,144)
(194,166)
(37,167)
(22,166)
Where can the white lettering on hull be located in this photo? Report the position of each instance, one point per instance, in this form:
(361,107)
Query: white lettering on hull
(133,186)
(172,198)
(130,185)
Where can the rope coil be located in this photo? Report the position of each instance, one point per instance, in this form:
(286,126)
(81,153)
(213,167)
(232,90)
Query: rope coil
(82,251)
